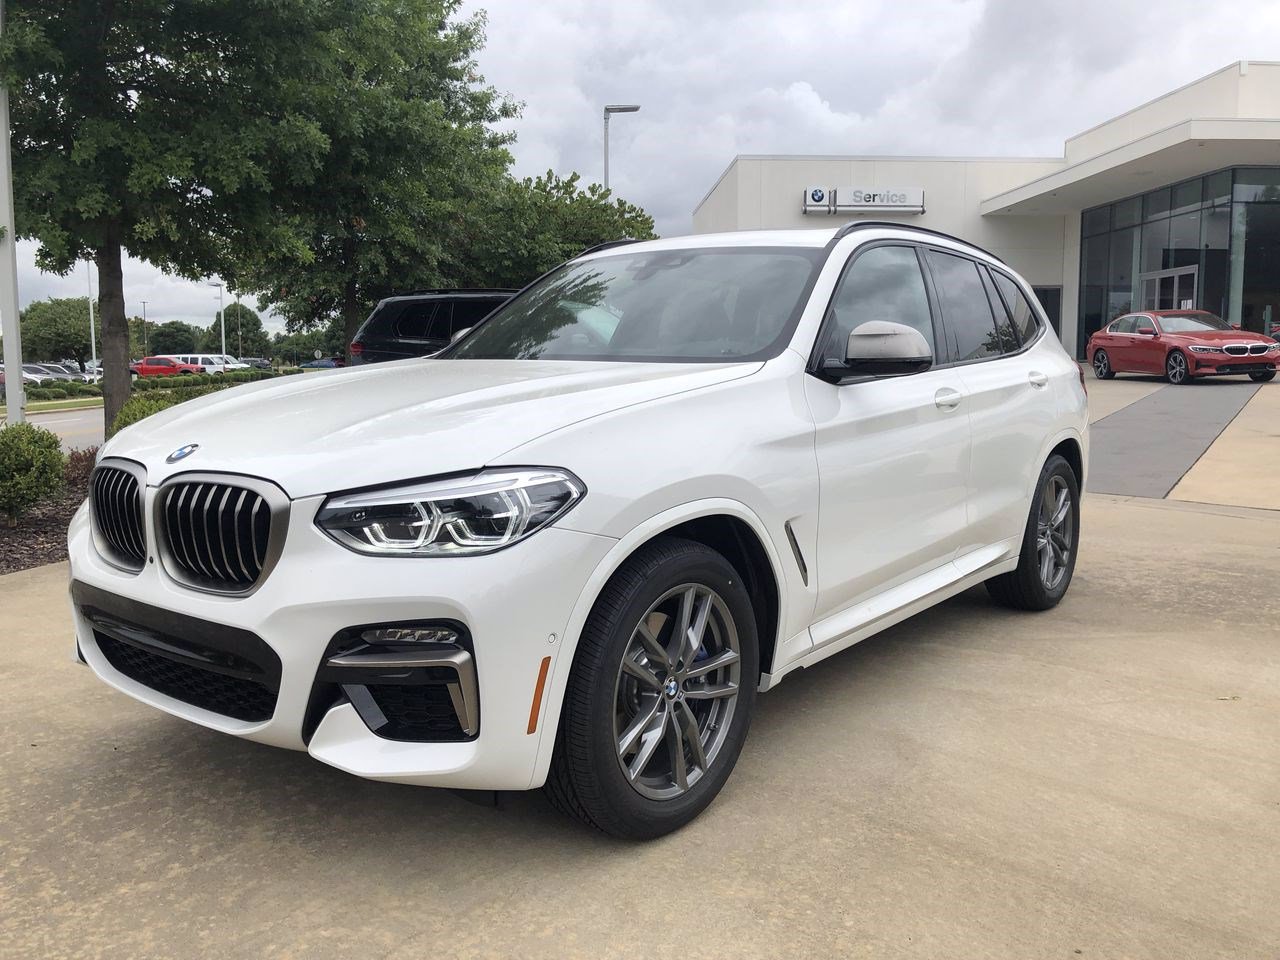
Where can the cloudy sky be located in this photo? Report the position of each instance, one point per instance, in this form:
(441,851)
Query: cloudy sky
(718,78)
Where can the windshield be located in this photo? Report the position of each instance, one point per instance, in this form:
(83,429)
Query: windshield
(1191,323)
(738,303)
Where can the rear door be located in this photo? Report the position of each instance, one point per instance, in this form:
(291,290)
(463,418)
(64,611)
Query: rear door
(893,452)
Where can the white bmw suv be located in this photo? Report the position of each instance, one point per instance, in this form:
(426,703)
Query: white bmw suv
(571,551)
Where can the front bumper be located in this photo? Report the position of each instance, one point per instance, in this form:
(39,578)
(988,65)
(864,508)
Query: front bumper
(515,605)
(1214,365)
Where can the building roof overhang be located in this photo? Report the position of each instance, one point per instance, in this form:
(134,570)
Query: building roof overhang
(1186,149)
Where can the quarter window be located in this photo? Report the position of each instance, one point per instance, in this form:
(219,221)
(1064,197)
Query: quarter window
(1024,318)
(1004,325)
(883,283)
(971,327)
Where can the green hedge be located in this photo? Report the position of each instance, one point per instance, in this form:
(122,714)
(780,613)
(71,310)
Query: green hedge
(154,394)
(31,465)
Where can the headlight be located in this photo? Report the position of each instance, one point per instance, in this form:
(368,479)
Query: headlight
(458,516)
(1198,349)
(1274,348)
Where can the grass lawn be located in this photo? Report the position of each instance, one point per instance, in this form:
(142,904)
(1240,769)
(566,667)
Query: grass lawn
(50,406)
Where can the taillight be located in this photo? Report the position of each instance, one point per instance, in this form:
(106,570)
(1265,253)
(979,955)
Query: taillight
(357,348)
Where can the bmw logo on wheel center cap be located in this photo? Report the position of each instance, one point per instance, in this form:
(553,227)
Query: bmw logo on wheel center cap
(182,453)
(671,687)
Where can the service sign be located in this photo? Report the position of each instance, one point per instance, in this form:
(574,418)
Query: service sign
(863,200)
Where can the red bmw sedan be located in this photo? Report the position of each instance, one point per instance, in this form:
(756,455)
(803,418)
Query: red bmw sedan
(1181,345)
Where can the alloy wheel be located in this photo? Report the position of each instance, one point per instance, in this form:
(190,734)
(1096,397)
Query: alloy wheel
(1054,528)
(1176,367)
(676,691)
(1100,364)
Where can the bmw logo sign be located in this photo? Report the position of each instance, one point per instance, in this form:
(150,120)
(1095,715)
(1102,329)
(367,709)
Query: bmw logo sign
(182,453)
(816,195)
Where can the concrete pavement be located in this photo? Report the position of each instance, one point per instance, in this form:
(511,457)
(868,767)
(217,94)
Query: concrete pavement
(1097,781)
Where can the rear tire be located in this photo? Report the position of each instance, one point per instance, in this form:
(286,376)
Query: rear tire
(1102,368)
(1263,376)
(1050,543)
(625,760)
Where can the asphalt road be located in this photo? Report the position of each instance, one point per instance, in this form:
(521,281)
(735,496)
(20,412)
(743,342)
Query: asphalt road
(77,429)
(1097,781)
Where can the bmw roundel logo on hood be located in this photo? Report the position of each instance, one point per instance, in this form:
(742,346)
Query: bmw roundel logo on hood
(816,195)
(182,453)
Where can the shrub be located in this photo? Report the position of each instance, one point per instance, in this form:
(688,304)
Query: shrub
(54,393)
(139,406)
(31,467)
(79,465)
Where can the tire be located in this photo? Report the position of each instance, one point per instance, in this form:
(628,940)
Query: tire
(1176,369)
(1263,376)
(1028,587)
(606,704)
(1102,368)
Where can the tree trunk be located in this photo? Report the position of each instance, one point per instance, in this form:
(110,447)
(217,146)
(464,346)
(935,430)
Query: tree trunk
(115,327)
(351,315)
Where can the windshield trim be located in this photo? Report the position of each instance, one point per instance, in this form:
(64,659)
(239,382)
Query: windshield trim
(819,255)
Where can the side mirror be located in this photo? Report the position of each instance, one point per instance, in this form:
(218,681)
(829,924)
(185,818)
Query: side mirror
(880,348)
(459,334)
(1146,331)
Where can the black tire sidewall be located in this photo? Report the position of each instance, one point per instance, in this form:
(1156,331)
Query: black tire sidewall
(1058,466)
(633,814)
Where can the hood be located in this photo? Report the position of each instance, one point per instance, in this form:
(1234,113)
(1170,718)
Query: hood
(1222,336)
(340,429)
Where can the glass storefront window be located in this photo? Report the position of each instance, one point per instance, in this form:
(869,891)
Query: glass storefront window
(1186,196)
(1217,188)
(1155,245)
(1093,283)
(1156,203)
(1184,240)
(1127,213)
(1215,241)
(1257,185)
(1123,273)
(1095,221)
(1254,299)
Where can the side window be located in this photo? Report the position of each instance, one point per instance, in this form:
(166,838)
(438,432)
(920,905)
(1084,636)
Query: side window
(971,327)
(883,283)
(1125,325)
(469,312)
(1004,325)
(1024,318)
(425,320)
(163,362)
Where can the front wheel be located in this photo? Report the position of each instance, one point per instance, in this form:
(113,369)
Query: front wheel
(1102,368)
(660,696)
(1175,368)
(1263,376)
(1049,543)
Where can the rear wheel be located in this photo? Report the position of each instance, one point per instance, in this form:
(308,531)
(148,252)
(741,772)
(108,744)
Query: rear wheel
(1049,543)
(1263,376)
(1102,365)
(1176,370)
(660,697)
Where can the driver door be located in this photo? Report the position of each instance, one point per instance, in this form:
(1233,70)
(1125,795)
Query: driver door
(893,453)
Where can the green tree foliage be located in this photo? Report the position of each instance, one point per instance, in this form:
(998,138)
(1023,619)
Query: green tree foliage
(159,127)
(412,151)
(56,329)
(245,335)
(300,346)
(528,226)
(30,468)
(173,337)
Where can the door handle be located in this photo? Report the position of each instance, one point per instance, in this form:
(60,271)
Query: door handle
(947,399)
(1037,379)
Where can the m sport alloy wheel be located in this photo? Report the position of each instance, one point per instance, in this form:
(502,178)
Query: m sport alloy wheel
(1102,368)
(1049,544)
(660,697)
(1175,368)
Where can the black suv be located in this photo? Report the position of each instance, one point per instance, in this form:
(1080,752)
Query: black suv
(421,323)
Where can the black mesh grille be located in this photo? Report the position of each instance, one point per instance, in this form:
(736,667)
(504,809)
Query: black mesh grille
(416,712)
(116,503)
(217,533)
(1236,349)
(1259,348)
(235,697)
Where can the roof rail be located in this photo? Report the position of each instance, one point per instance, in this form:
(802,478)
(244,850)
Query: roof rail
(450,291)
(855,225)
(605,246)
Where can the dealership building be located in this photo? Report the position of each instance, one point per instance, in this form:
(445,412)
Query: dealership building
(1175,204)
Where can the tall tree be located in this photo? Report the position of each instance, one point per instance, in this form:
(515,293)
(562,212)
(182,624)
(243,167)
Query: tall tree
(245,336)
(412,148)
(172,337)
(57,329)
(158,127)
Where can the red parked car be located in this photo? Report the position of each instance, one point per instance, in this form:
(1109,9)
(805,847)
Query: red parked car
(162,367)
(1181,345)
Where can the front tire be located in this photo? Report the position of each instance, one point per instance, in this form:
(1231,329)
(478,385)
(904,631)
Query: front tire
(1263,376)
(1176,369)
(1049,543)
(661,693)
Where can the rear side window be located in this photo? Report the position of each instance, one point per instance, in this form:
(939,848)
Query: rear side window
(883,283)
(423,320)
(971,327)
(1125,325)
(1024,318)
(469,312)
(1004,325)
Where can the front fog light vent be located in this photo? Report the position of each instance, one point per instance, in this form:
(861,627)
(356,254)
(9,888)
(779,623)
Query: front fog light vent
(392,635)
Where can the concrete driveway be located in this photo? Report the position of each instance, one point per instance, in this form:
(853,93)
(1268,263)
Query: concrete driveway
(1099,781)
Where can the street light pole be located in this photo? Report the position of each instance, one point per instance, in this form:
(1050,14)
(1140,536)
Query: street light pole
(93,336)
(16,394)
(145,348)
(609,110)
(222,322)
(239,329)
